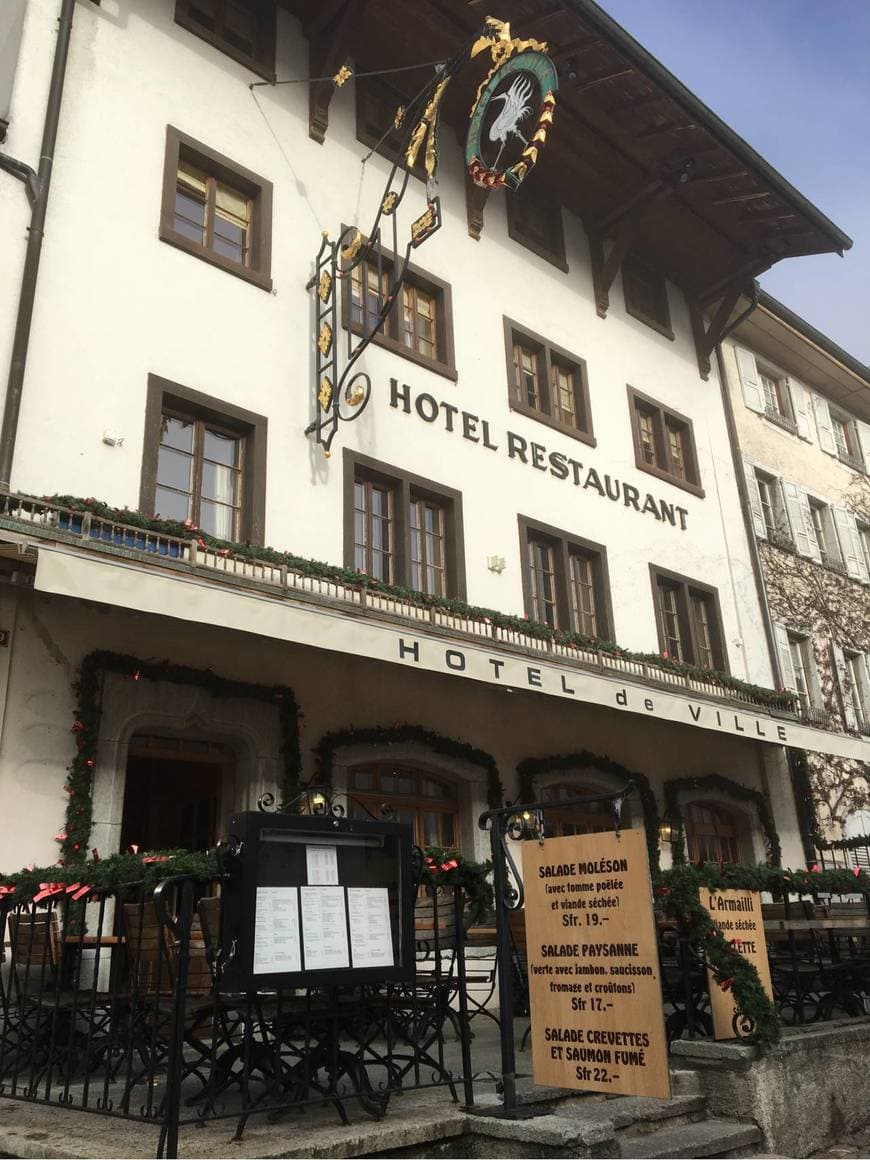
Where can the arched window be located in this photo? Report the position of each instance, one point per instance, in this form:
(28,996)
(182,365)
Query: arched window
(713,832)
(582,818)
(425,800)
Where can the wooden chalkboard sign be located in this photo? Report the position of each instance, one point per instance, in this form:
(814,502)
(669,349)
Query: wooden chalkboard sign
(594,981)
(737,914)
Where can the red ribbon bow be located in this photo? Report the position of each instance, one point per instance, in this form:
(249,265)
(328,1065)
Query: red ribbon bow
(149,858)
(47,889)
(7,890)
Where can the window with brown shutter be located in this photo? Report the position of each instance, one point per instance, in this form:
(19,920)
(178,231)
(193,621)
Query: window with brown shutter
(547,383)
(689,620)
(565,581)
(664,442)
(646,295)
(242,29)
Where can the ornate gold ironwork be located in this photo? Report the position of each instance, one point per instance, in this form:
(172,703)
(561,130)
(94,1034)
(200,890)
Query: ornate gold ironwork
(324,395)
(342,76)
(390,202)
(354,395)
(324,339)
(351,248)
(399,118)
(324,287)
(427,122)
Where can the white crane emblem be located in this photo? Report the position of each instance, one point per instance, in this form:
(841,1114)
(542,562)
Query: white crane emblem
(515,109)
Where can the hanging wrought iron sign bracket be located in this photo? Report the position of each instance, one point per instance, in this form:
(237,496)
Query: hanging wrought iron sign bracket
(509,122)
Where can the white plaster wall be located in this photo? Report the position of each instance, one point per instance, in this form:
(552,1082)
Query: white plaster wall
(334,692)
(115,303)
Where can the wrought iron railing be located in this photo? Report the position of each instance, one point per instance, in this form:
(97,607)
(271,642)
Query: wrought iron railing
(115,1005)
(47,520)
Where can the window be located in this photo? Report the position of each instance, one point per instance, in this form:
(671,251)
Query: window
(216,210)
(826,535)
(377,103)
(646,295)
(664,442)
(773,510)
(243,29)
(798,647)
(689,620)
(712,832)
(204,461)
(401,529)
(777,400)
(855,689)
(565,580)
(547,383)
(535,221)
(583,818)
(428,802)
(419,327)
(846,440)
(864,536)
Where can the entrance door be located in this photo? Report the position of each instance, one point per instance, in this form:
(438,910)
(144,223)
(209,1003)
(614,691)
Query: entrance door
(172,798)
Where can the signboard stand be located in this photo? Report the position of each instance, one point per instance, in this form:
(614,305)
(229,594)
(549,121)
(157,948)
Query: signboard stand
(317,900)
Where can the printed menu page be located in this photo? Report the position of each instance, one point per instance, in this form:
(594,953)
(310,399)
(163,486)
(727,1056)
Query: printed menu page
(371,938)
(276,930)
(324,928)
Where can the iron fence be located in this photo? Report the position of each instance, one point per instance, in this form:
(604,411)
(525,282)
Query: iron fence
(116,1006)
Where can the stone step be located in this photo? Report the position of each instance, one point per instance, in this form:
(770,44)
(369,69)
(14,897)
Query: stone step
(696,1140)
(636,1115)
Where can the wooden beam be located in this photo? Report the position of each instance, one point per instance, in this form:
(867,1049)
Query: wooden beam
(707,178)
(749,269)
(327,52)
(475,201)
(741,197)
(600,80)
(670,127)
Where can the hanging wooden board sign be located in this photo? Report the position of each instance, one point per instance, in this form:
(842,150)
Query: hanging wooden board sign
(737,914)
(594,979)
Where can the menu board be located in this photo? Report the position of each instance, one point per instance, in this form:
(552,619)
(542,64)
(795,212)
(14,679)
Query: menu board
(594,983)
(737,914)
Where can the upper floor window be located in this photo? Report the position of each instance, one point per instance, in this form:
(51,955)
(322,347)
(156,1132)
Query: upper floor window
(664,442)
(565,580)
(646,295)
(535,221)
(204,461)
(377,106)
(846,440)
(797,664)
(768,506)
(689,620)
(418,325)
(856,689)
(216,210)
(243,29)
(547,383)
(401,529)
(778,397)
(777,400)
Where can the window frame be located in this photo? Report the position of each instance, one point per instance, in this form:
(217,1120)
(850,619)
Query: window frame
(390,337)
(263,62)
(783,414)
(663,417)
(855,460)
(406,486)
(733,819)
(661,325)
(687,588)
(385,144)
(549,353)
(180,145)
(164,395)
(554,253)
(566,544)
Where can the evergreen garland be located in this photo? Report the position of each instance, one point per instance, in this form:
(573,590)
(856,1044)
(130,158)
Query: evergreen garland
(325,748)
(529,770)
(775,699)
(861,842)
(677,894)
(120,875)
(74,838)
(732,789)
(805,805)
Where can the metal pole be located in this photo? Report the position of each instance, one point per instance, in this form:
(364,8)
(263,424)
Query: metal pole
(27,297)
(180,928)
(461,982)
(505,978)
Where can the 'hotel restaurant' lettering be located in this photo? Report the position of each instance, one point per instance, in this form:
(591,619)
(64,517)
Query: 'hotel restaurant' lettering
(476,430)
(454,660)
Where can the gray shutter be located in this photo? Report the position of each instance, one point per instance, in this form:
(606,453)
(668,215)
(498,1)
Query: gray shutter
(753,395)
(784,650)
(850,543)
(864,440)
(824,425)
(842,674)
(755,500)
(11,27)
(800,406)
(798,507)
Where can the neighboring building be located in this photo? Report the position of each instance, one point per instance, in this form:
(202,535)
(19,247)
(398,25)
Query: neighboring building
(802,411)
(546,437)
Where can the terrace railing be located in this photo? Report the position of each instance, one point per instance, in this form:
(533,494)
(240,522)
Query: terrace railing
(47,520)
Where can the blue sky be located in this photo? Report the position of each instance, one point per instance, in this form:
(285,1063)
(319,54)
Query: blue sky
(792,77)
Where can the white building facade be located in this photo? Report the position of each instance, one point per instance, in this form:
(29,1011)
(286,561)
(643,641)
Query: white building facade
(546,437)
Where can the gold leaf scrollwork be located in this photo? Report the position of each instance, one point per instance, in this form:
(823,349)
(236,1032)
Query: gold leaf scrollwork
(352,247)
(342,76)
(324,395)
(399,118)
(389,202)
(324,340)
(324,287)
(355,395)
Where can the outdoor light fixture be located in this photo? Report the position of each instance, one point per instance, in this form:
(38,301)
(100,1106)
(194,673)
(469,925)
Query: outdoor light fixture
(666,831)
(496,564)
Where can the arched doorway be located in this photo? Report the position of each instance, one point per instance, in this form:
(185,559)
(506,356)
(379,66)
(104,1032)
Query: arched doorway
(174,792)
(427,800)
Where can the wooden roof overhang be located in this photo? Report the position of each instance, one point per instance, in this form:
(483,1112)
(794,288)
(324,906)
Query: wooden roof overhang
(644,164)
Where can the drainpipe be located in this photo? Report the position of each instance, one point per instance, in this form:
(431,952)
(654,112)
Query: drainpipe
(37,186)
(746,511)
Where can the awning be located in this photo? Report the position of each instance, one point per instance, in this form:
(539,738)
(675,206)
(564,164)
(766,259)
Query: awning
(189,598)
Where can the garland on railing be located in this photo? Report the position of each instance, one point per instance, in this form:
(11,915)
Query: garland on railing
(119,875)
(861,842)
(733,789)
(74,837)
(447,868)
(775,699)
(325,749)
(678,894)
(529,770)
